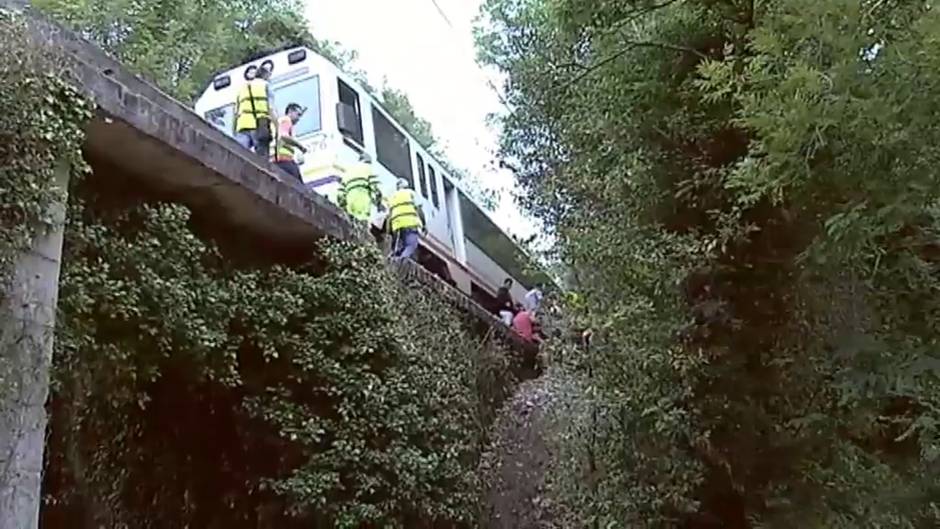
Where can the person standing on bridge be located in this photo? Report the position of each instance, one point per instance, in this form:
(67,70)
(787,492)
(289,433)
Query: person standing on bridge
(359,189)
(286,144)
(255,113)
(405,219)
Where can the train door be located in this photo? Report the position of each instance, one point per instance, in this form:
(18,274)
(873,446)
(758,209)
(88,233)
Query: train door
(449,200)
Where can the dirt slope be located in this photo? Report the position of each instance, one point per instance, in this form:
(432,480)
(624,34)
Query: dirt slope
(515,467)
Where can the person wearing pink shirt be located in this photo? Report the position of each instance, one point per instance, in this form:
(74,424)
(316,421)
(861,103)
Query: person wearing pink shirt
(524,324)
(285,144)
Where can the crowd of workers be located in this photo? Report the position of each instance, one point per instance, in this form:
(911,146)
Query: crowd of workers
(257,125)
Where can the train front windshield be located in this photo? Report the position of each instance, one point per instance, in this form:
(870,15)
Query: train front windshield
(305,92)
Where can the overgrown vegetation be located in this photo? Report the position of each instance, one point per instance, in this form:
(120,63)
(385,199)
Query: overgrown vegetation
(747,195)
(36,141)
(40,141)
(196,389)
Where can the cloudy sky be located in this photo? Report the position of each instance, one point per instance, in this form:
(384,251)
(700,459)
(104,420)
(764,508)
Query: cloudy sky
(410,43)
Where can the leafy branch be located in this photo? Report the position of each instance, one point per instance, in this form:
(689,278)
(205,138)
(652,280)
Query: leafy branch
(629,46)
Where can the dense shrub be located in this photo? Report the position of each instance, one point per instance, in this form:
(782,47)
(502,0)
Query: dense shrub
(196,390)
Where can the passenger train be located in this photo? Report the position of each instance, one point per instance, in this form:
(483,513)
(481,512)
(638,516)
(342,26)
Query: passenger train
(342,120)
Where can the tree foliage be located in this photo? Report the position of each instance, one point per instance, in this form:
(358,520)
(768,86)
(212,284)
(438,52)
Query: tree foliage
(181,44)
(746,194)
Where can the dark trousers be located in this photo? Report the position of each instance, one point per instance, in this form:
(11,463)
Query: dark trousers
(290,167)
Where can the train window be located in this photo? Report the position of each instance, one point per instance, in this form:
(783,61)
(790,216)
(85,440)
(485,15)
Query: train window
(422,177)
(434,198)
(305,93)
(222,118)
(392,147)
(486,236)
(349,98)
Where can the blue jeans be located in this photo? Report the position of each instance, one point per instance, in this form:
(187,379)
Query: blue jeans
(406,243)
(249,140)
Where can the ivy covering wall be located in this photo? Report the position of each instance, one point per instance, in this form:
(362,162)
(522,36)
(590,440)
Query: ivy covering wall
(44,132)
(198,389)
(40,134)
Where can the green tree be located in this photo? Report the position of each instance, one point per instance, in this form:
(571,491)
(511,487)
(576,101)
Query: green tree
(180,45)
(399,105)
(746,195)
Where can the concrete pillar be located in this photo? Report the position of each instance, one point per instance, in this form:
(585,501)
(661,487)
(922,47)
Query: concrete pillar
(27,321)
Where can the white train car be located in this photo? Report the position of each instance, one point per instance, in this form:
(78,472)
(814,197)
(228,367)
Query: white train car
(343,119)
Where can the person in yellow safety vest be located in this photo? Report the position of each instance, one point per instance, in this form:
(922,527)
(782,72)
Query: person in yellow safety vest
(285,144)
(405,219)
(359,189)
(255,114)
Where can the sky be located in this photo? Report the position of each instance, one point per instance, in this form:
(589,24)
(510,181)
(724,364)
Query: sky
(411,44)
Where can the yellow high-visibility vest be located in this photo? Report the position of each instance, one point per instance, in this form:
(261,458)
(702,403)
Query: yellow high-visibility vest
(358,190)
(402,211)
(256,91)
(359,176)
